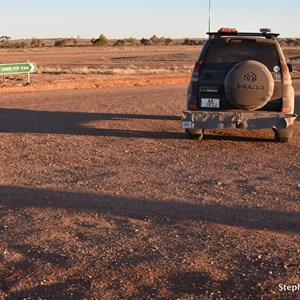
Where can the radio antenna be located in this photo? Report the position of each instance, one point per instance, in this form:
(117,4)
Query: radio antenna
(209,15)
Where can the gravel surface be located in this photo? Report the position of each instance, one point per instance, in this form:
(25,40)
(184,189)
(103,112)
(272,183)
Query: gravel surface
(103,197)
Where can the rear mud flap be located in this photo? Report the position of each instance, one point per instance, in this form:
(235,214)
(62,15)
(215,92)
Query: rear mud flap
(229,119)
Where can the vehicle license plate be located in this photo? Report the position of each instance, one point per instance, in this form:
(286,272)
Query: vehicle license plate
(210,102)
(187,124)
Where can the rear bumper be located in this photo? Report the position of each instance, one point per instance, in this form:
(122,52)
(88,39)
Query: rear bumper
(233,119)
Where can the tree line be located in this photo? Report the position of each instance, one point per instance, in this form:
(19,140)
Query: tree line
(102,40)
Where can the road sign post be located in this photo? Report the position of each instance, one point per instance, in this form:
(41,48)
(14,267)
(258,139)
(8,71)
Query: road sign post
(18,68)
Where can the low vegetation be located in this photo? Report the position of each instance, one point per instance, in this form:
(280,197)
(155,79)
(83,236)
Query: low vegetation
(290,42)
(101,41)
(105,70)
(7,43)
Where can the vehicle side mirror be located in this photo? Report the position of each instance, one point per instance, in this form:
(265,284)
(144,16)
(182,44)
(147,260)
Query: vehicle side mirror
(290,67)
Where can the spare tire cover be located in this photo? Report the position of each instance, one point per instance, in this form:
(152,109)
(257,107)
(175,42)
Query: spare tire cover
(249,85)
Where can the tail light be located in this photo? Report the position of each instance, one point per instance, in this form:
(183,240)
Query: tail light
(194,86)
(193,106)
(286,109)
(286,77)
(197,65)
(286,80)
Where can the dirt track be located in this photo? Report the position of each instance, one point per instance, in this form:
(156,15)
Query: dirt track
(102,197)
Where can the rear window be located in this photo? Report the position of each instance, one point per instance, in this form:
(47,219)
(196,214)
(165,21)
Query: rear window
(239,50)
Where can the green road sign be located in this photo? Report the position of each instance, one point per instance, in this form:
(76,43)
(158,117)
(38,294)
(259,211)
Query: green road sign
(17,68)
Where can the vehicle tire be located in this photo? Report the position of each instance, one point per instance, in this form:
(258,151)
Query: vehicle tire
(249,85)
(195,136)
(283,135)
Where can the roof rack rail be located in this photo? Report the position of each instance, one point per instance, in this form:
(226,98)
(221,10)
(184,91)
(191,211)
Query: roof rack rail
(268,35)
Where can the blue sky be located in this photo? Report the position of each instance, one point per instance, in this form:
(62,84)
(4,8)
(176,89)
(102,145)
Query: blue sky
(141,18)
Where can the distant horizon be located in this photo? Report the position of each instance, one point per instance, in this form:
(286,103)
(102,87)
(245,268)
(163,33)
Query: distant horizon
(121,38)
(119,19)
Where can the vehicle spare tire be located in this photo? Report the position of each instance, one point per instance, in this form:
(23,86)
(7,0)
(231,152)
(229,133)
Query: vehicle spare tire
(249,85)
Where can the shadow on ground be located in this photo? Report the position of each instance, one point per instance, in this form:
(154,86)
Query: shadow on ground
(76,123)
(166,215)
(16,198)
(72,123)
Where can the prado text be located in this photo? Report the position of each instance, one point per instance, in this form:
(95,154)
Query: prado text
(289,287)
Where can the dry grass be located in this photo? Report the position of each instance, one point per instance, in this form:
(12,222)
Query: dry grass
(130,70)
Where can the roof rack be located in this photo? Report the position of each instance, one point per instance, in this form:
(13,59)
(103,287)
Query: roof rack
(268,35)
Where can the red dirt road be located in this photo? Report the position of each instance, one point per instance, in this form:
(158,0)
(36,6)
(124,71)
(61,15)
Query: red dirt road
(102,197)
